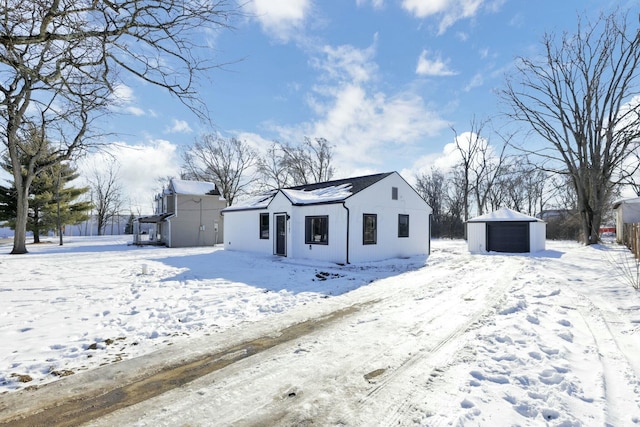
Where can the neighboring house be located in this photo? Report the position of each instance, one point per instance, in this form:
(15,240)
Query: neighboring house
(506,230)
(359,219)
(627,212)
(187,213)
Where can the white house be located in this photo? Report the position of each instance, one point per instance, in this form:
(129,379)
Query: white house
(506,230)
(359,219)
(627,212)
(187,213)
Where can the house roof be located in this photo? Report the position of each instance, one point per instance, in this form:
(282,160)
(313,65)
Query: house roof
(627,201)
(183,186)
(504,215)
(317,193)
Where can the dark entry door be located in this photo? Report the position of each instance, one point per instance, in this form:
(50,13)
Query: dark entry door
(281,235)
(508,236)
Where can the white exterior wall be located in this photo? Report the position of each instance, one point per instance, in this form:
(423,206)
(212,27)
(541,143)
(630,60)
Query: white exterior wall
(335,250)
(377,200)
(477,237)
(537,236)
(242,232)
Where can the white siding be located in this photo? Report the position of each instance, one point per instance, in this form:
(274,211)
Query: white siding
(336,249)
(377,199)
(537,236)
(242,232)
(477,237)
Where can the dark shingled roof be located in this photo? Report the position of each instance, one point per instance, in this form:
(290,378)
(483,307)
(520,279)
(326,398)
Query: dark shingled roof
(357,183)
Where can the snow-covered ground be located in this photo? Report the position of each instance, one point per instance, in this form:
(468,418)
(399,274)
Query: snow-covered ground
(550,338)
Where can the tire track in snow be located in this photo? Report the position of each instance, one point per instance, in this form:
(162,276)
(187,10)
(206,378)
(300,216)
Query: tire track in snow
(616,370)
(433,360)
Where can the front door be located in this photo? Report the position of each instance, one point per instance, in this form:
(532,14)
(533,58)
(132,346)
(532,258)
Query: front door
(281,235)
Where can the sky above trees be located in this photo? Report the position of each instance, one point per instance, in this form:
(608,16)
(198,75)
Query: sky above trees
(383,81)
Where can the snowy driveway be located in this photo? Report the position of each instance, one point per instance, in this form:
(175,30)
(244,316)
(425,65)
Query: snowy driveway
(466,339)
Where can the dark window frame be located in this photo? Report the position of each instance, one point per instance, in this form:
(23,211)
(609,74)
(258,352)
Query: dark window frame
(394,193)
(374,239)
(310,238)
(403,229)
(264,227)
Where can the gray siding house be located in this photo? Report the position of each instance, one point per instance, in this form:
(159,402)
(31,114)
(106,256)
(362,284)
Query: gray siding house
(187,213)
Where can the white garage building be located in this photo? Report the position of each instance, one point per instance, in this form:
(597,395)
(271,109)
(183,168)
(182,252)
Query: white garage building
(506,230)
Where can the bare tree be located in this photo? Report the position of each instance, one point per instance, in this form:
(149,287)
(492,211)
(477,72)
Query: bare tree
(432,188)
(106,193)
(579,98)
(60,61)
(309,162)
(468,145)
(273,169)
(226,162)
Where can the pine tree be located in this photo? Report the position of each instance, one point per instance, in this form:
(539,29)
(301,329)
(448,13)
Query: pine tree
(48,187)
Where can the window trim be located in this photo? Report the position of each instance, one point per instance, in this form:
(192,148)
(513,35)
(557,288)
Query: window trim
(400,233)
(261,226)
(375,229)
(308,224)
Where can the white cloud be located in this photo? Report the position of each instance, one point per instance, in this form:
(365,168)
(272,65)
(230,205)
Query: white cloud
(135,111)
(179,126)
(367,126)
(449,11)
(347,63)
(122,95)
(476,81)
(433,67)
(280,18)
(141,169)
(376,4)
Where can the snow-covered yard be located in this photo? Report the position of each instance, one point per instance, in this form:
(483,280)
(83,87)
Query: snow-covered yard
(550,338)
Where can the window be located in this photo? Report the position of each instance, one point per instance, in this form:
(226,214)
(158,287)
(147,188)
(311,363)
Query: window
(403,225)
(316,230)
(264,225)
(369,229)
(394,193)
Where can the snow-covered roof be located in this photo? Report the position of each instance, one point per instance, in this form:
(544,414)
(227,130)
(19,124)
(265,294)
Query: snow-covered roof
(317,193)
(320,195)
(626,201)
(504,214)
(182,186)
(260,201)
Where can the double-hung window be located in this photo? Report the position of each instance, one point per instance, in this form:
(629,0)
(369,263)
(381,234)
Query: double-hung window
(264,225)
(403,225)
(316,230)
(369,229)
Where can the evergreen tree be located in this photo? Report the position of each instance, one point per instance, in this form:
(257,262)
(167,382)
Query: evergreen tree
(48,188)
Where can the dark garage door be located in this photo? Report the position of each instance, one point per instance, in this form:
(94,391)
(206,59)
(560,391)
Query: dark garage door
(508,236)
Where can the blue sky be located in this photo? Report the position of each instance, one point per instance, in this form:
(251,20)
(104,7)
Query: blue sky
(382,80)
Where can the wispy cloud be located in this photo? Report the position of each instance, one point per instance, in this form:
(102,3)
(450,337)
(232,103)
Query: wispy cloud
(280,19)
(179,126)
(433,67)
(377,4)
(448,11)
(366,125)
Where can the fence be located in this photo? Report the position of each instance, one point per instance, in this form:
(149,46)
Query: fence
(631,238)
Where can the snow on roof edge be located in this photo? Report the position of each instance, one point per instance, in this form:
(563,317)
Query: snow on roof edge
(504,215)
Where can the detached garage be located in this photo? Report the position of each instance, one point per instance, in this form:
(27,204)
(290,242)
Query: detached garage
(506,230)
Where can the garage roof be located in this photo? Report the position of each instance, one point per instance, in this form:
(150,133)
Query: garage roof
(503,215)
